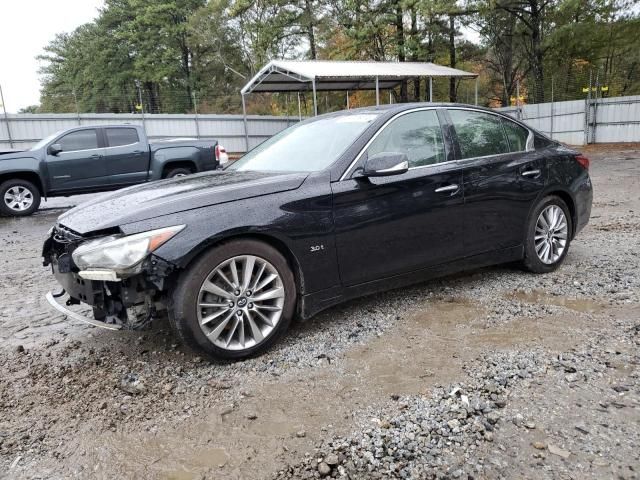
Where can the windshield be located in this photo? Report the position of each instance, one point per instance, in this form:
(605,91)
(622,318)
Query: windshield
(45,140)
(307,147)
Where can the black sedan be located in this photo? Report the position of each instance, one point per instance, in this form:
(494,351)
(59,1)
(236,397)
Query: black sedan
(335,207)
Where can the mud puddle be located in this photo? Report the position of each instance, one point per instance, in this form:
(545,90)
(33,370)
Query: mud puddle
(582,305)
(259,433)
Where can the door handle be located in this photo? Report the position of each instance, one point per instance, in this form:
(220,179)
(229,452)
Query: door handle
(137,152)
(530,173)
(95,156)
(448,188)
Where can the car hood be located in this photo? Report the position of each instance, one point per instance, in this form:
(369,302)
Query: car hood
(165,197)
(12,155)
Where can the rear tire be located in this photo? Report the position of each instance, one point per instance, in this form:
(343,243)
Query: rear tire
(178,172)
(19,198)
(252,324)
(548,235)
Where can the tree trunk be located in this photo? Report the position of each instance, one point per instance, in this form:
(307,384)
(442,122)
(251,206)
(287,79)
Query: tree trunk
(152,96)
(401,51)
(452,56)
(414,52)
(537,55)
(186,60)
(311,30)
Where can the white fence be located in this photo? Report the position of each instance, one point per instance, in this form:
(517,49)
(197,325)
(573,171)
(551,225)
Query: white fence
(606,120)
(26,129)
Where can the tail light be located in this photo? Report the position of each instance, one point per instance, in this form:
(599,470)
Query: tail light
(221,155)
(220,152)
(583,161)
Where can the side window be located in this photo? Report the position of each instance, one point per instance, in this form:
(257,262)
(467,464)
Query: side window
(479,134)
(79,140)
(417,134)
(517,136)
(121,136)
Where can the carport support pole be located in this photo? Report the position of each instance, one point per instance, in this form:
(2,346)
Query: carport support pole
(299,109)
(347,99)
(431,89)
(244,120)
(6,118)
(315,100)
(476,90)
(377,92)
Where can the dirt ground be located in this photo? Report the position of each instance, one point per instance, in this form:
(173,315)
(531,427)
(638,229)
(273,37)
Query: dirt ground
(81,402)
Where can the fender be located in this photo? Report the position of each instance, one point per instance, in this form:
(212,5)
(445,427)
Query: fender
(279,242)
(23,164)
(166,155)
(555,189)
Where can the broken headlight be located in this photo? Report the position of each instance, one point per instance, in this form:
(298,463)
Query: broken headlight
(119,253)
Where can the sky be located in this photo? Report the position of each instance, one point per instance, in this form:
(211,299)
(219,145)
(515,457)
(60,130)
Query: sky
(26,27)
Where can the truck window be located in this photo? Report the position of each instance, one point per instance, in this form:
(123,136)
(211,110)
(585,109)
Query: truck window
(121,136)
(79,140)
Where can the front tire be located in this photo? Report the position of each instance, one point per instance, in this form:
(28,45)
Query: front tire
(235,301)
(19,198)
(548,235)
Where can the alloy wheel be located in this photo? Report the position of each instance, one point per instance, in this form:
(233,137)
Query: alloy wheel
(551,234)
(18,198)
(240,302)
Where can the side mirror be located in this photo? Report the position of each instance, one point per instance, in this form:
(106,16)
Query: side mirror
(55,149)
(384,164)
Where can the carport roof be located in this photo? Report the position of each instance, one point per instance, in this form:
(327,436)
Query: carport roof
(299,75)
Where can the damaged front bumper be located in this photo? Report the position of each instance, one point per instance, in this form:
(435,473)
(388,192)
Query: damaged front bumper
(118,302)
(51,298)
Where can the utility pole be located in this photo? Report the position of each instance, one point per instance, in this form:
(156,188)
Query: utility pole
(75,99)
(144,125)
(552,107)
(195,110)
(6,118)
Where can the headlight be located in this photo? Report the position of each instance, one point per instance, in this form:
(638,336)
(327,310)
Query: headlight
(121,253)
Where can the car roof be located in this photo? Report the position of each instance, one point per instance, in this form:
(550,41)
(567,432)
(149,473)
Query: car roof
(390,110)
(399,107)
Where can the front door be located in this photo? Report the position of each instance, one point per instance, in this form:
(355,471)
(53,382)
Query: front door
(397,224)
(80,165)
(502,179)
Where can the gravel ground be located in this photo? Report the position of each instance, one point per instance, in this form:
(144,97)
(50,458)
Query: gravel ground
(491,374)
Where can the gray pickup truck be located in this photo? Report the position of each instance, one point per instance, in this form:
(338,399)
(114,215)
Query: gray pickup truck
(97,159)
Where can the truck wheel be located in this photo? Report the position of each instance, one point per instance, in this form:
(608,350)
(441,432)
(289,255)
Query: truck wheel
(178,172)
(235,301)
(19,198)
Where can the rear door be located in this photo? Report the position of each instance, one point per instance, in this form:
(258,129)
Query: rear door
(397,224)
(502,175)
(80,165)
(127,158)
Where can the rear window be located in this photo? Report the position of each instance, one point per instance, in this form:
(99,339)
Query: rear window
(479,134)
(121,136)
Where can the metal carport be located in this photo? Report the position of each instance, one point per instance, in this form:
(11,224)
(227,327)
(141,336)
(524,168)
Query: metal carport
(332,75)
